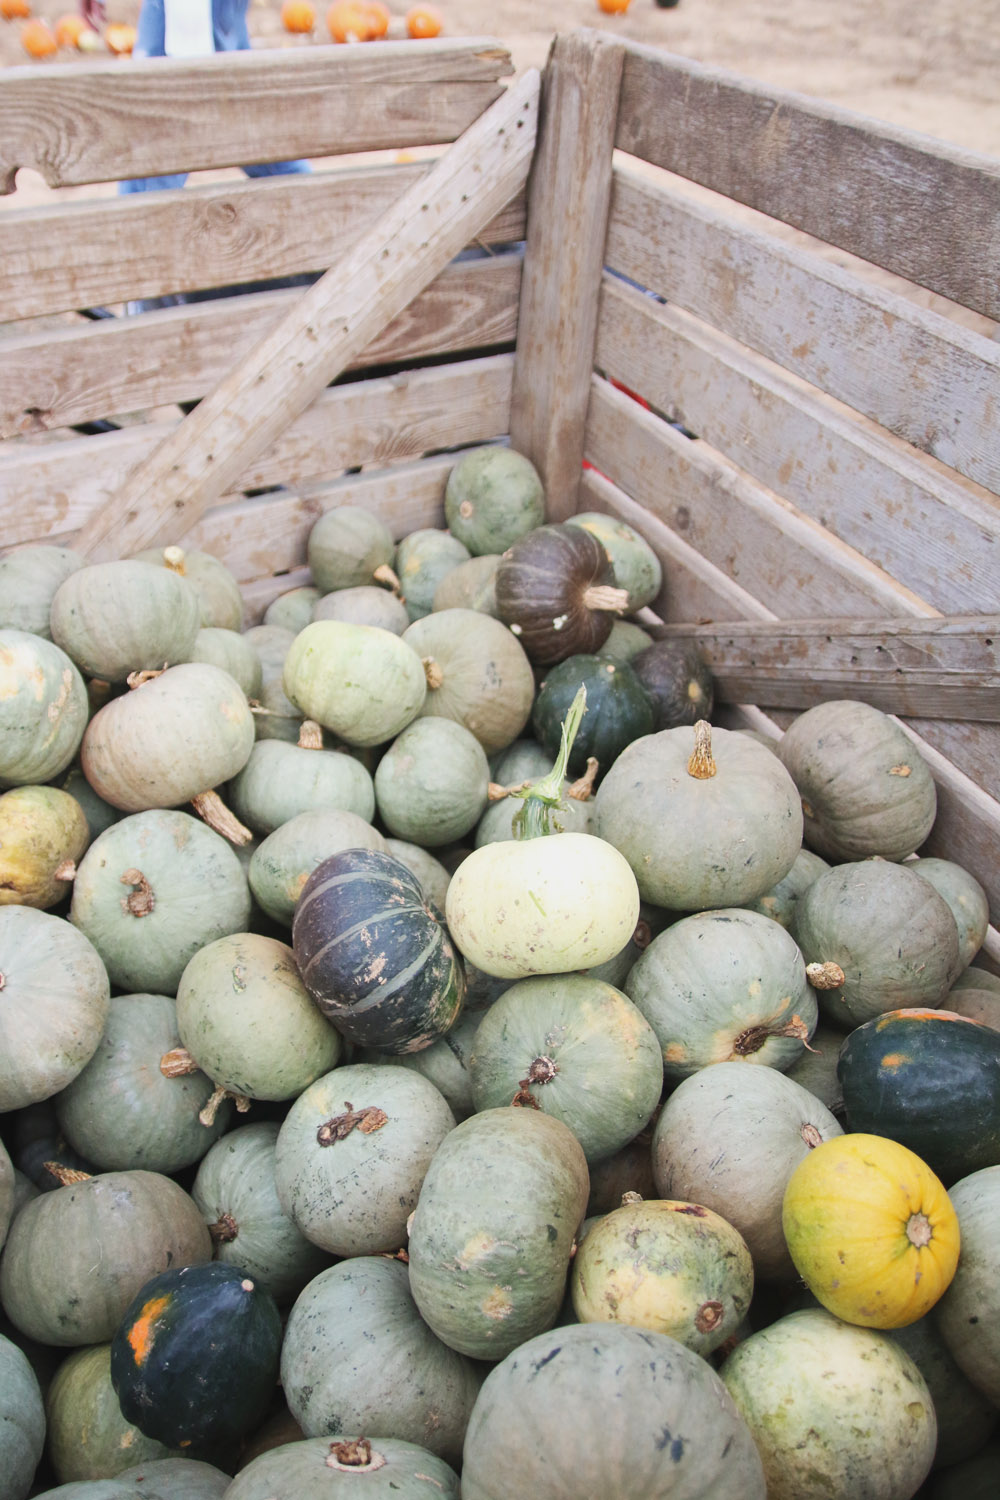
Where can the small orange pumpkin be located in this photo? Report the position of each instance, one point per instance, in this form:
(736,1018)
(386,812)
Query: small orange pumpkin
(424,21)
(298,16)
(613,7)
(37,40)
(349,21)
(69,29)
(119,38)
(15,10)
(380,16)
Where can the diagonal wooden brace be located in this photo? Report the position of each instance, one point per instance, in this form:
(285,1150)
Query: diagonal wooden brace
(331,324)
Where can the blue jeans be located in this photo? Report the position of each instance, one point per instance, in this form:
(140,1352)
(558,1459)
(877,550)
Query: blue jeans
(229,25)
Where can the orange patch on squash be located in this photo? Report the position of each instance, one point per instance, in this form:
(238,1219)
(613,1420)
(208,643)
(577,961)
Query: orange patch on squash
(140,1335)
(894,1060)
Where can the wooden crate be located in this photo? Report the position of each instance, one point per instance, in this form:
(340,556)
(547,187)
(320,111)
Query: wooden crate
(803,299)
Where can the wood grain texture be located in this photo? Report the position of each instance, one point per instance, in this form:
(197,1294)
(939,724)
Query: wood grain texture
(99,370)
(931,381)
(567,212)
(917,206)
(948,668)
(50,488)
(80,254)
(325,329)
(101,122)
(935,532)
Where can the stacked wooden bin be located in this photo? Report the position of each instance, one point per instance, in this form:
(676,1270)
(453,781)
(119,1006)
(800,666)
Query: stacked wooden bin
(803,300)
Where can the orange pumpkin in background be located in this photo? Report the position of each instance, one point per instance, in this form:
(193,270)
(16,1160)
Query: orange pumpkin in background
(15,10)
(424,21)
(355,21)
(298,16)
(119,38)
(613,7)
(37,40)
(69,29)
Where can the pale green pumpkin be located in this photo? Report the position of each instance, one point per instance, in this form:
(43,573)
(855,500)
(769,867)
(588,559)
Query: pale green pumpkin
(115,618)
(87,1437)
(363,683)
(22,1420)
(43,709)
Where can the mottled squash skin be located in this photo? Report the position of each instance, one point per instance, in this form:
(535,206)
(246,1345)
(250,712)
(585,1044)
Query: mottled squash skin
(833,1409)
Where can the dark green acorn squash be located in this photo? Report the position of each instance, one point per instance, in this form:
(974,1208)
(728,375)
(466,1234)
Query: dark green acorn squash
(679,683)
(195,1358)
(618,709)
(929,1079)
(374,954)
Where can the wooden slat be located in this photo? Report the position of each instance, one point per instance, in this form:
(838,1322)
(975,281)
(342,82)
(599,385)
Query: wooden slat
(934,532)
(932,382)
(87,254)
(927,210)
(97,370)
(99,121)
(567,213)
(267,534)
(48,489)
(949,668)
(328,326)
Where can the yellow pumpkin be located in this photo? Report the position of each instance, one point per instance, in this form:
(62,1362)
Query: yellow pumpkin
(871,1230)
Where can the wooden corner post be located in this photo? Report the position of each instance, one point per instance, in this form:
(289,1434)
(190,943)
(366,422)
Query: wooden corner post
(569,194)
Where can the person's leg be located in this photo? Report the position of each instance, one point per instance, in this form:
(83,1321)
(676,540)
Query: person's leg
(150,30)
(277,168)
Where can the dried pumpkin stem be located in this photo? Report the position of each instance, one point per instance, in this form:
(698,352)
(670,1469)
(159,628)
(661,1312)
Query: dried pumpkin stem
(582,788)
(353,1454)
(605,596)
(178,1063)
(212,810)
(65,871)
(310,735)
(66,1176)
(175,559)
(433,673)
(828,976)
(702,763)
(496,793)
(141,900)
(384,574)
(224,1230)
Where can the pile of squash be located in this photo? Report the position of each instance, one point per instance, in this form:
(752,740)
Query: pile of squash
(437,1060)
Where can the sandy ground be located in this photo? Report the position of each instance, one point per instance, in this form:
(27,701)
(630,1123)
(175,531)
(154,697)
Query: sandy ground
(930,65)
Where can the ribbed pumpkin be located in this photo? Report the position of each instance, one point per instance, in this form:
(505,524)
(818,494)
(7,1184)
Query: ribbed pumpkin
(965,896)
(233,653)
(114,618)
(76,1257)
(890,938)
(348,546)
(470,585)
(365,605)
(431,784)
(780,901)
(675,1429)
(22,1420)
(477,674)
(493,496)
(86,1435)
(929,1079)
(375,957)
(56,995)
(724,985)
(154,888)
(122,1110)
(43,832)
(680,685)
(345,1467)
(357,1355)
(352,1153)
(618,710)
(575,1048)
(423,558)
(236,1192)
(284,860)
(865,787)
(29,577)
(248,1021)
(294,608)
(43,709)
(170,739)
(491,1238)
(729,1137)
(363,683)
(669,1265)
(966,1316)
(556,589)
(279,781)
(871,1230)
(217,589)
(705,817)
(833,1410)
(182,1341)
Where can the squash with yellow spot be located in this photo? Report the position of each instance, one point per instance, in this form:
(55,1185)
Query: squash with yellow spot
(871,1230)
(931,1080)
(195,1358)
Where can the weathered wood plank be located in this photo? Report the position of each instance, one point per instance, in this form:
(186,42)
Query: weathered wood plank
(922,208)
(567,213)
(49,489)
(267,534)
(788,561)
(936,533)
(948,668)
(87,254)
(98,370)
(932,382)
(99,121)
(327,327)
